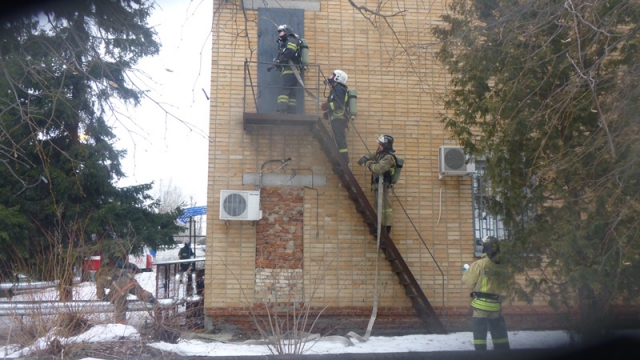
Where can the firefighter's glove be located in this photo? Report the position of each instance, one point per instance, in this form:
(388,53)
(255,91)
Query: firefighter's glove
(362,160)
(324,106)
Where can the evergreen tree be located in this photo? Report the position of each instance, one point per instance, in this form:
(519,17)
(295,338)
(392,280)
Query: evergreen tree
(548,92)
(63,65)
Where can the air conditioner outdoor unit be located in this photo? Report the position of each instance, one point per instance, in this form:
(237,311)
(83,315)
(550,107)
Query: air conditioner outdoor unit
(453,161)
(240,205)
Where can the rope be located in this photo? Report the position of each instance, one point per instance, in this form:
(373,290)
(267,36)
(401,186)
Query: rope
(374,312)
(425,245)
(297,74)
(361,139)
(315,98)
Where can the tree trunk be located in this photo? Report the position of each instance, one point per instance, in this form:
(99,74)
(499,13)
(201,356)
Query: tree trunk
(66,284)
(592,314)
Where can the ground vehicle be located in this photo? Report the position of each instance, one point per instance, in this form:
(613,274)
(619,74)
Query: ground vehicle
(136,264)
(143,262)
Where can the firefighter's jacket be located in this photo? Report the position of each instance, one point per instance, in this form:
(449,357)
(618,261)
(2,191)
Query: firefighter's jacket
(478,278)
(337,101)
(384,164)
(287,50)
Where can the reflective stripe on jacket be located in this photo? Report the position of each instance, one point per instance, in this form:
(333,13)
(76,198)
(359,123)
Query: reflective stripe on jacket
(287,51)
(337,101)
(478,278)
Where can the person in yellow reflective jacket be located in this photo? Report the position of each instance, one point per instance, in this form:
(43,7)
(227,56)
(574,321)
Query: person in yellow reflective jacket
(486,295)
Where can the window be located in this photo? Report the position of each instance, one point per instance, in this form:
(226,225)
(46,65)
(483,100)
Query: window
(484,223)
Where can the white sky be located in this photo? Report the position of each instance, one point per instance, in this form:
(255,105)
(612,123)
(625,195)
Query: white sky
(160,147)
(104,331)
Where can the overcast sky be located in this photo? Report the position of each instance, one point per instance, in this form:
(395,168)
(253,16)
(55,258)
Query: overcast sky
(161,147)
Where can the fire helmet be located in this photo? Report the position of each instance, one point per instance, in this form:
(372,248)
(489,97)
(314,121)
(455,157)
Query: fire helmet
(386,142)
(490,246)
(339,76)
(284,30)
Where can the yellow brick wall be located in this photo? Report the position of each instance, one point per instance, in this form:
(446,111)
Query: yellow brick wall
(395,96)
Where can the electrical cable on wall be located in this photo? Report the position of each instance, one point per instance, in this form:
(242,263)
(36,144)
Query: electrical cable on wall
(439,207)
(425,245)
(317,197)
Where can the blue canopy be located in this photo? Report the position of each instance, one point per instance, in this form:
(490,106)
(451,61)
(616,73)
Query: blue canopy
(192,211)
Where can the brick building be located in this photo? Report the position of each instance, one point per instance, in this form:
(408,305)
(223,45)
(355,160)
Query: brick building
(312,248)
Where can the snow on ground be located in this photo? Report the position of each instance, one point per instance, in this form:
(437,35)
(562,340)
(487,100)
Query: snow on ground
(104,331)
(376,344)
(461,341)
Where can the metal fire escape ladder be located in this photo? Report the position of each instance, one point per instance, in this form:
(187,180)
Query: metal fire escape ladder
(412,288)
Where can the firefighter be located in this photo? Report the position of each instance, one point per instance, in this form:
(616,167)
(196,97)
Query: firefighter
(288,44)
(335,110)
(120,283)
(185,253)
(486,295)
(382,163)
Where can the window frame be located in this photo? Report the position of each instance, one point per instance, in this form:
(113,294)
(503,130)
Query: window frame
(484,223)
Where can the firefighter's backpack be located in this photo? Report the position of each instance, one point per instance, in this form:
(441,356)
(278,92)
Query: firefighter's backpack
(396,174)
(352,102)
(303,52)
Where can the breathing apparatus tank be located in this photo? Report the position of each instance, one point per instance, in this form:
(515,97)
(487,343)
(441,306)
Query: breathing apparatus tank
(352,102)
(396,174)
(304,52)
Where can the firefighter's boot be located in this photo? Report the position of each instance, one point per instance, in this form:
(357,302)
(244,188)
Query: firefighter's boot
(282,107)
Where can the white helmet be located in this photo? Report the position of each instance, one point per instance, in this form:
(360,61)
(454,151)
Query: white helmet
(340,76)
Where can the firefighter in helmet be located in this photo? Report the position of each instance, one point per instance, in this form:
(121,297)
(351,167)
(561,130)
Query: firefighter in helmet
(186,253)
(288,44)
(486,295)
(382,163)
(335,110)
(114,276)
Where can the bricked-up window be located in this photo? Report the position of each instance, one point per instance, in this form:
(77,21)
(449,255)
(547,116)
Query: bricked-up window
(484,223)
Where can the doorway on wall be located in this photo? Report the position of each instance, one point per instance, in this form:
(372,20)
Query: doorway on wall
(269,81)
